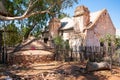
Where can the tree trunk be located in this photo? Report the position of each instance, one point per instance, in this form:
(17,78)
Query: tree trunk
(95,66)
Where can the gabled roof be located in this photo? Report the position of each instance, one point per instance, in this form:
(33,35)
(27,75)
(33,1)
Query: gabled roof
(95,15)
(68,23)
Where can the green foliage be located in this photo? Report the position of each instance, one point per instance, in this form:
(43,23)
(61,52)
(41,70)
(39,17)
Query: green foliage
(66,44)
(62,15)
(24,32)
(36,32)
(15,7)
(102,40)
(33,23)
(117,42)
(12,37)
(18,7)
(108,38)
(111,39)
(58,41)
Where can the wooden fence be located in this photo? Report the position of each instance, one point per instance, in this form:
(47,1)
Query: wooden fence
(81,53)
(3,55)
(92,53)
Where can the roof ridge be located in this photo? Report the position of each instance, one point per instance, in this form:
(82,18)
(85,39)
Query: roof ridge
(91,26)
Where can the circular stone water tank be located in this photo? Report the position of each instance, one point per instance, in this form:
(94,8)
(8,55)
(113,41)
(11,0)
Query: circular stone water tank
(31,51)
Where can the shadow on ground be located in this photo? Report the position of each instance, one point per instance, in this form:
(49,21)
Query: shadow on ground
(59,71)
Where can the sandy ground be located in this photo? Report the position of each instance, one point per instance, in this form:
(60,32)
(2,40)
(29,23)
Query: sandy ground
(66,71)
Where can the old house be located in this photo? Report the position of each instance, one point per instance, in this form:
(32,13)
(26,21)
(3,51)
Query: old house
(84,28)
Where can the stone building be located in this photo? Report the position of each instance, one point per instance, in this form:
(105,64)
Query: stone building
(84,28)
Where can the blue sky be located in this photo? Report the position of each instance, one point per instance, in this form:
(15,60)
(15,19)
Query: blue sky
(112,6)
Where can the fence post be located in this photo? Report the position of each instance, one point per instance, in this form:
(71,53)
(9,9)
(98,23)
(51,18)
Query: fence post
(71,55)
(57,53)
(119,58)
(110,51)
(85,52)
(62,51)
(81,53)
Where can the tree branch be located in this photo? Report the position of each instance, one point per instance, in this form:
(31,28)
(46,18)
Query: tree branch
(29,7)
(26,14)
(11,18)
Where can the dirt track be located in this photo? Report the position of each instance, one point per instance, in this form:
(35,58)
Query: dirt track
(56,71)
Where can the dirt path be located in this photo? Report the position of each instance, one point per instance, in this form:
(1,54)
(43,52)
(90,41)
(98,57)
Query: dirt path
(56,71)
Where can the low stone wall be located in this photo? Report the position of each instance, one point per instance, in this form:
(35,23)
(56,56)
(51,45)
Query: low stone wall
(28,59)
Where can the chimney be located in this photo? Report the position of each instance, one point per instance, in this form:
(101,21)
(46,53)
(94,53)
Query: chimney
(81,18)
(54,26)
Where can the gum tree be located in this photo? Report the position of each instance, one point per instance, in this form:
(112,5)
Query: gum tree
(20,9)
(32,14)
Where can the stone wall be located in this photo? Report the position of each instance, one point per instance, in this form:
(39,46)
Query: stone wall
(81,18)
(26,58)
(101,28)
(54,26)
(104,25)
(29,59)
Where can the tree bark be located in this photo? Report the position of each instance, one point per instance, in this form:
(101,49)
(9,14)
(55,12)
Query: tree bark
(95,66)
